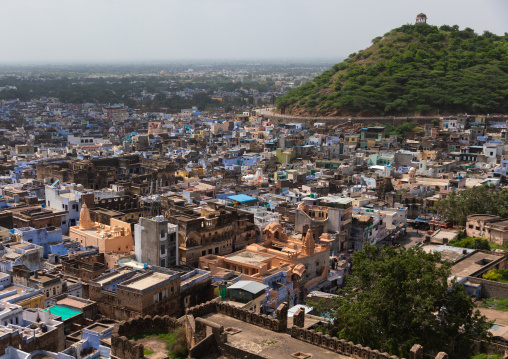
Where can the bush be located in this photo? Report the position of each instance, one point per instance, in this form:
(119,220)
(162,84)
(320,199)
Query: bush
(471,243)
(178,345)
(486,356)
(497,275)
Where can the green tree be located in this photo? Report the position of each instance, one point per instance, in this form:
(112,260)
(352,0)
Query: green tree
(412,69)
(472,243)
(396,298)
(475,200)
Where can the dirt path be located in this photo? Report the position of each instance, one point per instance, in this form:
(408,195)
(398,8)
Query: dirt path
(492,314)
(158,347)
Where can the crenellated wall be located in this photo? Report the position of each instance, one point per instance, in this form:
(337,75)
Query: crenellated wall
(122,347)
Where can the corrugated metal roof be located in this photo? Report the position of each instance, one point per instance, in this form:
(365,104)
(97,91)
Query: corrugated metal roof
(249,286)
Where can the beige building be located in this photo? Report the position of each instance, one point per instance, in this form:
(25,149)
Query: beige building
(305,262)
(493,228)
(114,238)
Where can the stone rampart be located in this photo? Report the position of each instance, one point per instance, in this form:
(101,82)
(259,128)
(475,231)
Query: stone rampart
(122,347)
(341,346)
(279,324)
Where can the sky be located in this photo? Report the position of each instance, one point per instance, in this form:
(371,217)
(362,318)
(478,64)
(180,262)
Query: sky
(69,31)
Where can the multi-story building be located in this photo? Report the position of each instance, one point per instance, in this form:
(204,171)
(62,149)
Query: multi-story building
(114,238)
(37,217)
(125,294)
(333,216)
(210,229)
(493,228)
(49,284)
(69,199)
(155,241)
(290,267)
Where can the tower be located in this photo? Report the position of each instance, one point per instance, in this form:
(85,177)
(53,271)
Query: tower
(308,243)
(421,18)
(85,222)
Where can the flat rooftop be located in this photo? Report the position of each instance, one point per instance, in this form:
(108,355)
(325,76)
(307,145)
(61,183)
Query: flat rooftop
(148,281)
(73,303)
(253,339)
(10,288)
(472,264)
(98,327)
(248,258)
(106,279)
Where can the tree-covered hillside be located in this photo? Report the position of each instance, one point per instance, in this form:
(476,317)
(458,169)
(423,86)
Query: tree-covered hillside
(418,69)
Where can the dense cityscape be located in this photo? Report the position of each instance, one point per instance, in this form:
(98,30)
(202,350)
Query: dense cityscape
(257,209)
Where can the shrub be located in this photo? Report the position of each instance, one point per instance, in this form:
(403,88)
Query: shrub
(497,275)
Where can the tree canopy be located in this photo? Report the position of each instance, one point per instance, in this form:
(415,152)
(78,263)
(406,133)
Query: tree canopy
(475,200)
(472,243)
(412,69)
(396,298)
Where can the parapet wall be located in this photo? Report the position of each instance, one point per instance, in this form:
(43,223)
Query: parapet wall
(278,324)
(124,348)
(340,346)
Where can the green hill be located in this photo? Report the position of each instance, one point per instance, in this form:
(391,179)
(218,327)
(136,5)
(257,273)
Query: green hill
(418,69)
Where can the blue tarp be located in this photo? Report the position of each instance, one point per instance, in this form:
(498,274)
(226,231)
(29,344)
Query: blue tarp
(422,220)
(242,198)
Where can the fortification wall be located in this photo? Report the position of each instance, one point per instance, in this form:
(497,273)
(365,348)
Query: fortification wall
(279,324)
(122,347)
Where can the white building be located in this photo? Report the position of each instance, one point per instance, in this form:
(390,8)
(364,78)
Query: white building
(156,241)
(66,198)
(84,140)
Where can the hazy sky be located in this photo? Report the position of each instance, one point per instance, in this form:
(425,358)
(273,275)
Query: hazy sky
(43,31)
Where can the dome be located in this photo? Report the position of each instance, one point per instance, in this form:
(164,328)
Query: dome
(421,15)
(412,170)
(326,236)
(273,227)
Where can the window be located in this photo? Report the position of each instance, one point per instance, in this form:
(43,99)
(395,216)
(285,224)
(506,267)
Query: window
(203,253)
(162,234)
(217,250)
(210,251)
(471,226)
(163,249)
(163,262)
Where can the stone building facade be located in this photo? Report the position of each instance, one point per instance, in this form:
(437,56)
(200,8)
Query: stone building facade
(213,229)
(125,293)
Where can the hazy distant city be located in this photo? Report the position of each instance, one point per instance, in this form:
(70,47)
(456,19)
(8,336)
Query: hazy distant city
(223,180)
